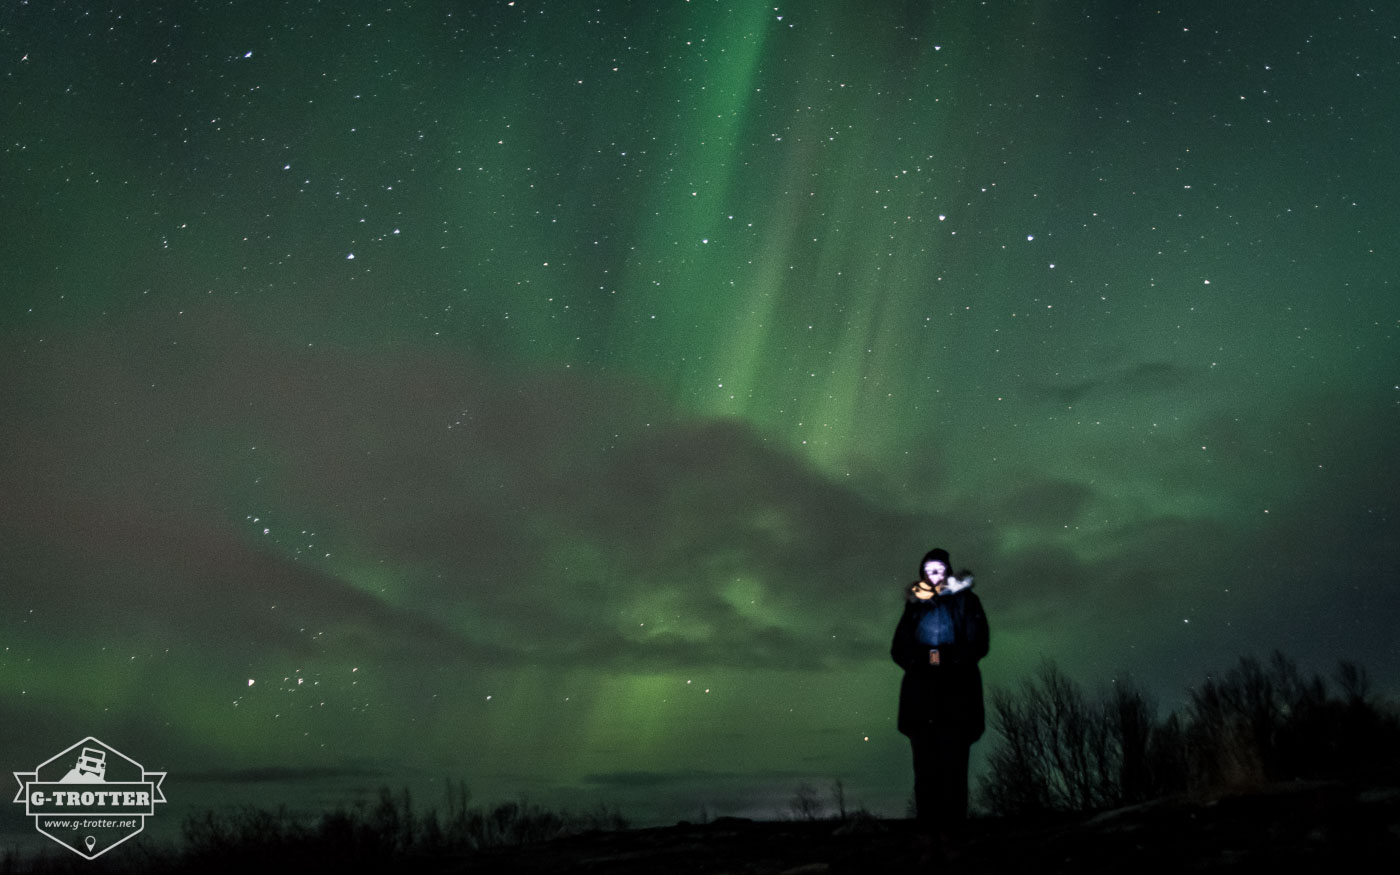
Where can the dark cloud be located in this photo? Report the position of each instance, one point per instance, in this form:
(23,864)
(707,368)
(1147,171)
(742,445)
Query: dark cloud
(656,779)
(282,775)
(1113,383)
(1155,378)
(1044,503)
(474,506)
(1277,532)
(478,507)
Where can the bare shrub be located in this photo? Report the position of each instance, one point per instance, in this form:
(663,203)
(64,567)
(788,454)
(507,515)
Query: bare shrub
(1056,750)
(804,804)
(371,837)
(1260,723)
(1253,724)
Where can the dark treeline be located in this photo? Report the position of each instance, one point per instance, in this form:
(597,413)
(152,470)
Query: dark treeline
(1056,749)
(362,838)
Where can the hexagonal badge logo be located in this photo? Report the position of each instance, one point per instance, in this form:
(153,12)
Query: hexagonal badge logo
(90,798)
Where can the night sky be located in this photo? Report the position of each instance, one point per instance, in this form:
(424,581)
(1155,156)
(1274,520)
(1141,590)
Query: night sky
(557,396)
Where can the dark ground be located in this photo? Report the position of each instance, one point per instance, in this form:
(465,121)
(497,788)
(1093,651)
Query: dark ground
(1288,828)
(1322,828)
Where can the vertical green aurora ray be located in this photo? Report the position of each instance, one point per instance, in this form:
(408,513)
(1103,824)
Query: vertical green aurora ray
(833,348)
(913,212)
(675,302)
(745,374)
(763,280)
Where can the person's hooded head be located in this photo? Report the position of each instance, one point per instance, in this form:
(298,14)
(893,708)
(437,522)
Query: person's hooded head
(936,577)
(934,567)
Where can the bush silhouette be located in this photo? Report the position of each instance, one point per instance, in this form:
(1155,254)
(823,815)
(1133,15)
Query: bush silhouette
(377,837)
(1058,750)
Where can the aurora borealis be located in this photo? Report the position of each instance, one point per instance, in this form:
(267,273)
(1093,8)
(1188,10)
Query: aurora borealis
(556,396)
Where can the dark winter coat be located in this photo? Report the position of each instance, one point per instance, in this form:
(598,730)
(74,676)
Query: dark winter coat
(948,695)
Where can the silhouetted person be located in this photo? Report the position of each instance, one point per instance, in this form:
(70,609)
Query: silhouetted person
(939,639)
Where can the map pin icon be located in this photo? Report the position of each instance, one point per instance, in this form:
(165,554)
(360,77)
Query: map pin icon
(90,842)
